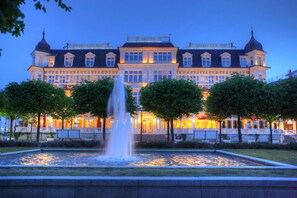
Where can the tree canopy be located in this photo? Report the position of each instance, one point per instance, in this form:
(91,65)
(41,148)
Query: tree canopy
(215,107)
(288,89)
(34,96)
(239,97)
(170,99)
(64,107)
(269,104)
(12,18)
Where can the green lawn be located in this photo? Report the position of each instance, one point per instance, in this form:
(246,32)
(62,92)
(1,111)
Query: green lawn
(284,156)
(12,149)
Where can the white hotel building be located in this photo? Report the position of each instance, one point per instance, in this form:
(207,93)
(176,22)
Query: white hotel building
(143,60)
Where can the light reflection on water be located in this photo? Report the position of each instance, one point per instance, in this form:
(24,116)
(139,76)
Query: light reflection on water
(149,159)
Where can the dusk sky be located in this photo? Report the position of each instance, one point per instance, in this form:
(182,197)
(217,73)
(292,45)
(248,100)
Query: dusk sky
(199,21)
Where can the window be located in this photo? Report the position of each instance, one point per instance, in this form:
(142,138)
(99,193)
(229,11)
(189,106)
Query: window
(160,75)
(110,61)
(221,79)
(68,59)
(133,56)
(62,79)
(133,76)
(187,61)
(206,62)
(39,77)
(259,60)
(211,80)
(90,61)
(136,96)
(243,62)
(51,79)
(206,59)
(226,61)
(51,61)
(162,57)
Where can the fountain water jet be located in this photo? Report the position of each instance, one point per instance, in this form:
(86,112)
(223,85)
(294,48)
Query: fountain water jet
(120,139)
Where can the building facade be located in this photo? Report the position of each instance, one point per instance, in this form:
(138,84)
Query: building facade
(144,60)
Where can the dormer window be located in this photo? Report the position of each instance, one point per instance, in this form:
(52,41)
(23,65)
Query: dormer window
(110,59)
(90,59)
(226,59)
(244,61)
(206,59)
(68,59)
(187,59)
(51,61)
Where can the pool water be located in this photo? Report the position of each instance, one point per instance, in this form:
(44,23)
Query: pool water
(139,159)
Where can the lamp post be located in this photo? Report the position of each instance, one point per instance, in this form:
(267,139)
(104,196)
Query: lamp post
(141,109)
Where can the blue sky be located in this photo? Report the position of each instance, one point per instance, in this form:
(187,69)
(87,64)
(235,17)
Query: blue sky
(199,21)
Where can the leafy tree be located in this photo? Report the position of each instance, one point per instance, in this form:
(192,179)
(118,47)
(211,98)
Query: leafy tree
(32,96)
(2,101)
(215,106)
(12,18)
(288,88)
(269,104)
(239,97)
(64,107)
(8,109)
(170,99)
(92,97)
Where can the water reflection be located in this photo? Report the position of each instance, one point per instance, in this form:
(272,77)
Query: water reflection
(146,159)
(39,159)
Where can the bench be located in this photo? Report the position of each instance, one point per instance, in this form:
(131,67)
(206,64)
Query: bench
(205,135)
(68,134)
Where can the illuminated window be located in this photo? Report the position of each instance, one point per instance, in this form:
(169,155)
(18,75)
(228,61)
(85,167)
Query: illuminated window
(51,61)
(133,56)
(259,60)
(133,76)
(162,57)
(160,75)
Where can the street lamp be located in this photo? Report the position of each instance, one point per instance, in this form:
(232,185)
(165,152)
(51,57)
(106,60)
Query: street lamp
(141,109)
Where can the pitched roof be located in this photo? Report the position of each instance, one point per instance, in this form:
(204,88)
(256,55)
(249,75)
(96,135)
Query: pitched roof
(79,57)
(215,56)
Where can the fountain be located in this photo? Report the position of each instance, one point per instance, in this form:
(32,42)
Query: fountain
(120,139)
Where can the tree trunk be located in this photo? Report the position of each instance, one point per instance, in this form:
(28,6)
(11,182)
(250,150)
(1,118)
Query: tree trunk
(62,123)
(71,123)
(104,127)
(220,122)
(168,136)
(172,130)
(270,128)
(239,130)
(38,127)
(10,131)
